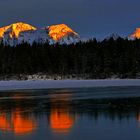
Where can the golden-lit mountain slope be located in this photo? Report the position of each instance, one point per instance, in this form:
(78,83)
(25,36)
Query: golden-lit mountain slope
(3,30)
(136,34)
(20,32)
(15,29)
(57,32)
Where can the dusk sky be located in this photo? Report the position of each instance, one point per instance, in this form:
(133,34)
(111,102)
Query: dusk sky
(90,18)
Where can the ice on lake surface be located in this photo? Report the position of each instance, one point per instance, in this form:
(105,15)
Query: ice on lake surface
(51,84)
(98,113)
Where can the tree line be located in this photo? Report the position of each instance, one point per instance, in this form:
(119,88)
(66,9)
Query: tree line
(92,59)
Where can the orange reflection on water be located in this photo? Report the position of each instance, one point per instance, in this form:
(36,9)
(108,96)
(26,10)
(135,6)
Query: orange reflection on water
(138,117)
(60,119)
(22,125)
(17,123)
(4,124)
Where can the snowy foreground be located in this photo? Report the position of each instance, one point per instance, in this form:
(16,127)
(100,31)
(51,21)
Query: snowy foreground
(48,84)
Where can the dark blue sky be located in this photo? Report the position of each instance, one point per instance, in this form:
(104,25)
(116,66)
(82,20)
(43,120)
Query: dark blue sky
(90,18)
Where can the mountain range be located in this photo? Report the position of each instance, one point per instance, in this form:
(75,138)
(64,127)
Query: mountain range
(20,32)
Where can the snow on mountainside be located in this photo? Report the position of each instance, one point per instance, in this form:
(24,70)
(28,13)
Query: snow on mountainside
(113,36)
(61,31)
(136,34)
(10,34)
(21,32)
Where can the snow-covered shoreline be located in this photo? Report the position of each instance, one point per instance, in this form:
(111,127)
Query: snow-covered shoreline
(56,84)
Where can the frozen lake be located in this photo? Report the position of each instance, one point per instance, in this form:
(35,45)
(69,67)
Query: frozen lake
(51,84)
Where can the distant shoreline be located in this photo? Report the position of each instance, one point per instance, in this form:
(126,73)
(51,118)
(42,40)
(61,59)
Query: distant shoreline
(59,84)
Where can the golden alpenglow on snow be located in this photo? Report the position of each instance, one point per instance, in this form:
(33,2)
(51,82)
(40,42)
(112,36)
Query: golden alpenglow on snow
(15,29)
(57,32)
(136,34)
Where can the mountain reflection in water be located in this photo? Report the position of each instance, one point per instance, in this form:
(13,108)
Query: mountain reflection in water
(20,117)
(69,114)
(16,122)
(60,118)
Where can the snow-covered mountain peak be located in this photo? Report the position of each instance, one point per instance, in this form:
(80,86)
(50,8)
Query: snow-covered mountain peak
(22,32)
(57,32)
(112,36)
(15,29)
(3,30)
(136,34)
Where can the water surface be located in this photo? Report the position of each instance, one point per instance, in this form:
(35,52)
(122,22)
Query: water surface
(109,113)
